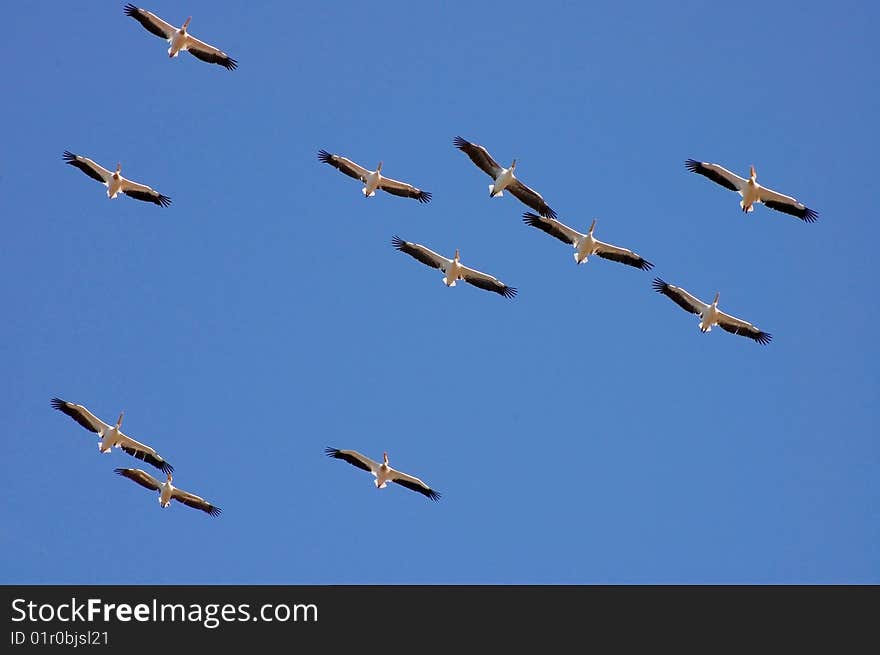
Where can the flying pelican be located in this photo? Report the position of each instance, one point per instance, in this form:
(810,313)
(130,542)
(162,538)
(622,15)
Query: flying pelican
(115,182)
(111,435)
(585,244)
(167,491)
(180,39)
(503,178)
(373,179)
(710,314)
(382,472)
(751,191)
(453,268)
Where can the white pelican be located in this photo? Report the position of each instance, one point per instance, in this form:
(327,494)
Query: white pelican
(751,191)
(180,39)
(115,182)
(111,435)
(373,179)
(710,314)
(382,472)
(503,178)
(167,491)
(585,244)
(453,268)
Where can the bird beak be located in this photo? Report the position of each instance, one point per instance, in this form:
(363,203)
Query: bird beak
(119,422)
(186,22)
(456,254)
(717,296)
(170,478)
(752,172)
(118,166)
(379,167)
(592,225)
(513,164)
(385,457)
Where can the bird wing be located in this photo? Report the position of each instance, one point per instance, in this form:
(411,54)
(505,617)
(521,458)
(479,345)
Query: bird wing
(207,52)
(480,156)
(403,189)
(88,167)
(150,21)
(681,297)
(717,174)
(786,204)
(622,255)
(141,477)
(743,328)
(345,165)
(530,197)
(487,282)
(354,458)
(144,453)
(424,255)
(191,500)
(81,415)
(552,227)
(145,193)
(413,483)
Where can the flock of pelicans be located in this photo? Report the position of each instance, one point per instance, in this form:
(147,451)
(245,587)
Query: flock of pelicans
(503,179)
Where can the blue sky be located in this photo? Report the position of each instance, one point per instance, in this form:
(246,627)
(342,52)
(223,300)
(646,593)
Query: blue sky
(584,432)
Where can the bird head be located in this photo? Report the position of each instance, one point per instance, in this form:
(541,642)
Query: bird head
(513,165)
(185,24)
(118,169)
(119,421)
(717,296)
(169,476)
(592,226)
(752,173)
(456,255)
(385,458)
(379,168)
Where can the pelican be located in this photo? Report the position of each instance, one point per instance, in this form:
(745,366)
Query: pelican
(111,435)
(453,268)
(167,491)
(503,178)
(115,182)
(180,39)
(373,179)
(585,244)
(751,191)
(710,314)
(382,472)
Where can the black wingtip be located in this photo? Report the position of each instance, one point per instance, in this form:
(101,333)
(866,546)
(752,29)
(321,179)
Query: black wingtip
(810,215)
(120,471)
(214,511)
(549,213)
(229,64)
(692,165)
(434,495)
(659,284)
(325,156)
(57,403)
(509,292)
(645,265)
(331,452)
(764,338)
(397,242)
(69,157)
(163,200)
(424,197)
(130,9)
(459,143)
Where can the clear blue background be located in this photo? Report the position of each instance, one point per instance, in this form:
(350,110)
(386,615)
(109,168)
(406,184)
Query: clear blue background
(585,432)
